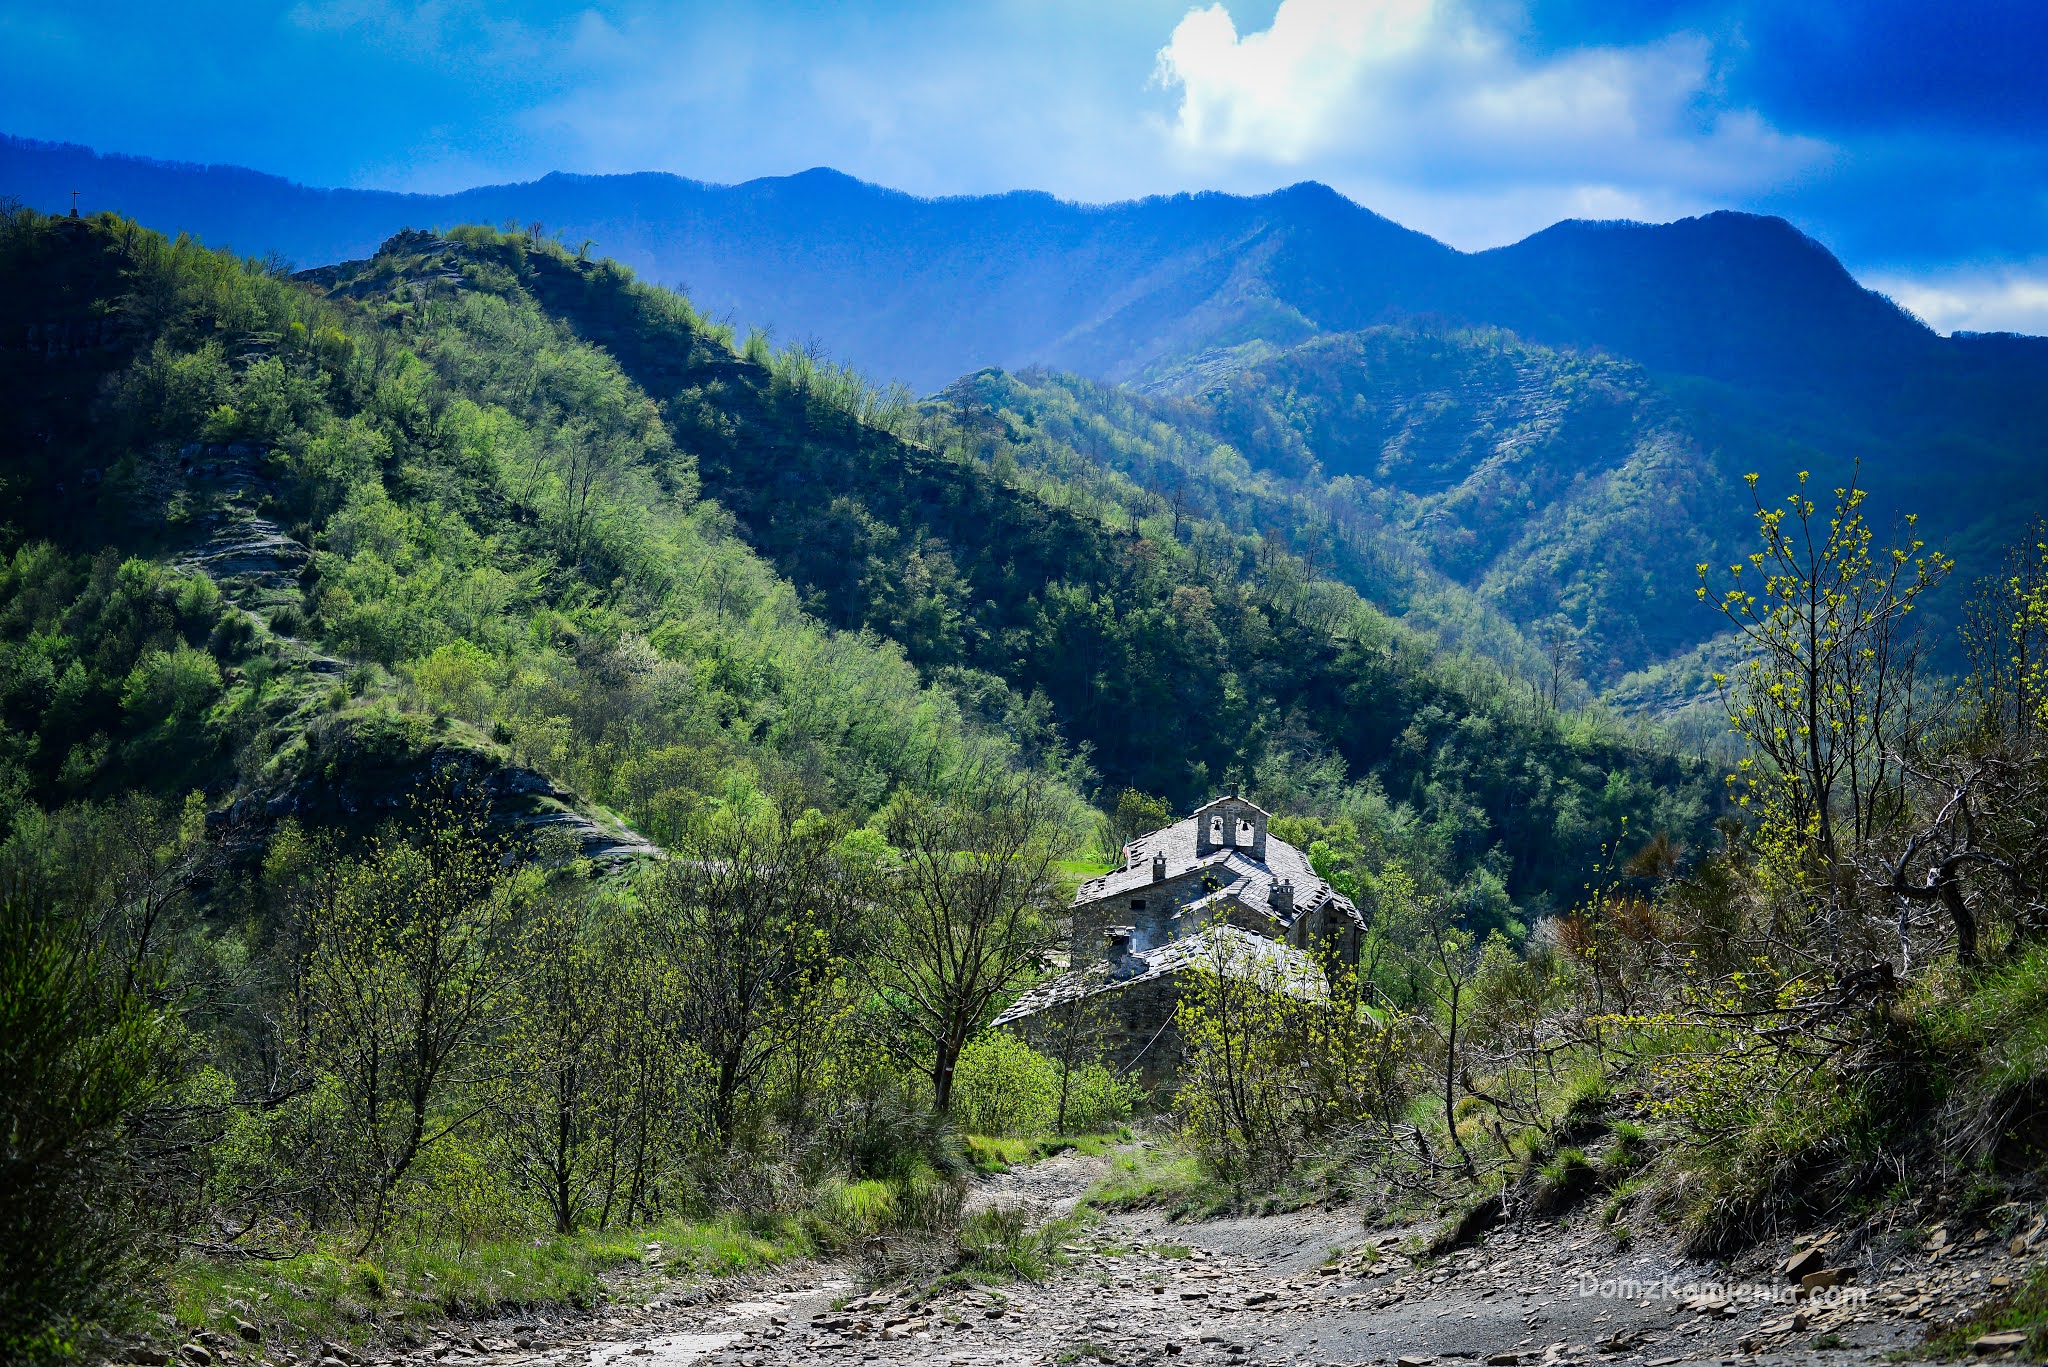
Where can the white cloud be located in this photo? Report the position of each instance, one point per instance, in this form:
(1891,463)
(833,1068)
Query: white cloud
(1429,111)
(968,99)
(1282,94)
(2001,299)
(1421,96)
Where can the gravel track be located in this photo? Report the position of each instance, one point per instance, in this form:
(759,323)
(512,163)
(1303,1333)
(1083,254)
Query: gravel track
(1308,1287)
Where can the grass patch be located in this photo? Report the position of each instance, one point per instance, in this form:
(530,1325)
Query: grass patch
(2024,1308)
(1613,1215)
(406,1285)
(1588,1098)
(858,1209)
(1158,1177)
(1568,1169)
(1628,1151)
(991,1154)
(1467,1220)
(1564,1179)
(1001,1244)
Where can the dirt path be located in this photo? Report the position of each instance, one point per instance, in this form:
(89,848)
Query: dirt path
(1311,1287)
(1053,1186)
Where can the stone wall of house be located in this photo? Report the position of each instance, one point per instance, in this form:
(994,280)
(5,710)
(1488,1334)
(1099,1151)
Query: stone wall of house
(1153,922)
(1154,925)
(1131,1025)
(1323,925)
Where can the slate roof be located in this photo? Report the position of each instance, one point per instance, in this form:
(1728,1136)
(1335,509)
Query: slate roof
(1238,953)
(1250,880)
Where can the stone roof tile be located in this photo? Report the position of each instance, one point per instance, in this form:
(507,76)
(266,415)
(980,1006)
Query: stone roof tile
(1252,880)
(1238,953)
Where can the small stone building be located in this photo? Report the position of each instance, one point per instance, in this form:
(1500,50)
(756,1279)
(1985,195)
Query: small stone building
(1218,865)
(1216,888)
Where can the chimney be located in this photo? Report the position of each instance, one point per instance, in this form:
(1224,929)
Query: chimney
(1159,866)
(1282,897)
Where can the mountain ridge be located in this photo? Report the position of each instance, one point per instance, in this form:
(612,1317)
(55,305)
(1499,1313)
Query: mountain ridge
(540,512)
(1775,357)
(927,289)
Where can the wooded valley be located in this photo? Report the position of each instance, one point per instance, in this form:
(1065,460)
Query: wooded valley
(501,771)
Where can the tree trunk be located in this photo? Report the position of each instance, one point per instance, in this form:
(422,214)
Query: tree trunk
(1450,1083)
(722,1104)
(944,1066)
(1965,921)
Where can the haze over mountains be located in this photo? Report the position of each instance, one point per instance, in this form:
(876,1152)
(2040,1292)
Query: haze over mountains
(1555,428)
(927,289)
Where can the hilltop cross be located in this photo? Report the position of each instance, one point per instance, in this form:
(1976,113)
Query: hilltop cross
(74,203)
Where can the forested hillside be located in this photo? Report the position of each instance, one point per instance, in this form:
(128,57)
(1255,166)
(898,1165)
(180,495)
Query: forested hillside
(1543,507)
(1144,455)
(353,624)
(1177,654)
(504,778)
(1519,426)
(258,535)
(477,493)
(1540,506)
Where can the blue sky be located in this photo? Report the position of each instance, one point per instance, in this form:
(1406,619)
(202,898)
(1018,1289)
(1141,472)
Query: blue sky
(1910,137)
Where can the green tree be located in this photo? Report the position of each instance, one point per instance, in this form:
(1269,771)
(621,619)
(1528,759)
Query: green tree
(1240,1019)
(2005,640)
(555,1100)
(745,910)
(1975,840)
(410,963)
(1072,1035)
(1826,697)
(970,905)
(660,1078)
(1442,961)
(86,1058)
(1136,814)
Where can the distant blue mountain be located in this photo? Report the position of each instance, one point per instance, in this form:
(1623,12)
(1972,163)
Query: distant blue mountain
(928,289)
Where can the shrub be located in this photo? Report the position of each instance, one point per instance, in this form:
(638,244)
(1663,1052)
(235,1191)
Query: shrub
(1098,1099)
(81,1062)
(1000,1241)
(171,685)
(905,1227)
(1004,1086)
(1276,1058)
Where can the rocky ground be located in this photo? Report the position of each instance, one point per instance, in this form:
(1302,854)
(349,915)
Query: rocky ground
(1309,1287)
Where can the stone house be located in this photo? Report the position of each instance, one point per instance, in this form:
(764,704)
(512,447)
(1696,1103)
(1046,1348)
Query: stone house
(1215,888)
(1219,865)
